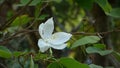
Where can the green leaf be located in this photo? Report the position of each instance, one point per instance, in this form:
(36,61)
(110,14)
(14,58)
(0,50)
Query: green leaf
(86,4)
(1,1)
(116,55)
(86,40)
(12,29)
(115,12)
(57,1)
(40,56)
(55,65)
(101,46)
(31,62)
(4,52)
(71,63)
(24,1)
(17,53)
(104,4)
(98,50)
(67,63)
(95,66)
(42,17)
(21,20)
(33,3)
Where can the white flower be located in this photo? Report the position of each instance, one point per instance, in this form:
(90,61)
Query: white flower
(56,40)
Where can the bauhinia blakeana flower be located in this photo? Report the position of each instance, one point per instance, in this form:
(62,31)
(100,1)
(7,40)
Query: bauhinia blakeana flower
(48,40)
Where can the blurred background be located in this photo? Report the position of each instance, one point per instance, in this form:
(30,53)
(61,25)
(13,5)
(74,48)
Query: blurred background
(19,21)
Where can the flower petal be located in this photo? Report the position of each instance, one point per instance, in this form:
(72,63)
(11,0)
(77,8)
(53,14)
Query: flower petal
(41,27)
(43,45)
(59,47)
(46,29)
(59,38)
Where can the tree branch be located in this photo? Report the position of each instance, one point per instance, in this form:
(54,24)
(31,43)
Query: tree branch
(22,32)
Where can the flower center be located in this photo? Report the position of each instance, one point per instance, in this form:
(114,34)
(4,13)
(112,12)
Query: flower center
(53,37)
(48,41)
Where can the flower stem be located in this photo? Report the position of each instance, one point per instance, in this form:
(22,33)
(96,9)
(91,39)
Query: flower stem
(51,53)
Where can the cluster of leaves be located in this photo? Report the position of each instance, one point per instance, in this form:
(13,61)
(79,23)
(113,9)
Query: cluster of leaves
(104,4)
(64,62)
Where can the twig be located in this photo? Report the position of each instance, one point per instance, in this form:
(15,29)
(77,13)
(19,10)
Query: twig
(15,35)
(114,61)
(20,62)
(22,32)
(37,16)
(3,65)
(8,22)
(101,33)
